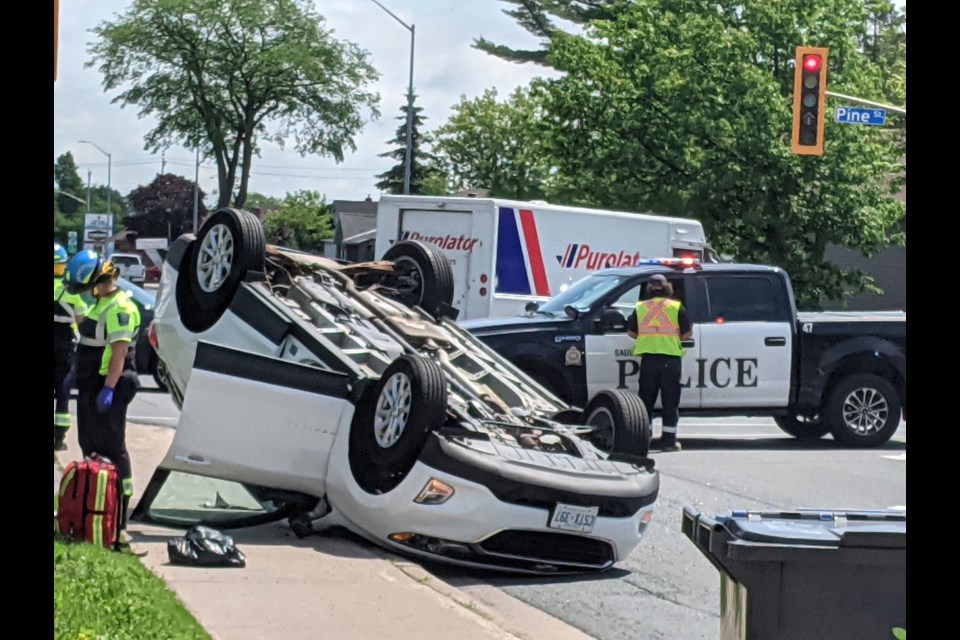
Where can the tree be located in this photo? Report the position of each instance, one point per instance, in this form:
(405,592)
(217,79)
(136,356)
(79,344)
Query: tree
(683,109)
(539,17)
(164,208)
(215,74)
(68,181)
(304,222)
(392,181)
(495,145)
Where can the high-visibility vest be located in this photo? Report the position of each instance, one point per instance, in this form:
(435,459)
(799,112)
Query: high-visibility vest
(658,327)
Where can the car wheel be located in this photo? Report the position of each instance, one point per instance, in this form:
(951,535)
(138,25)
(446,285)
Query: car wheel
(802,427)
(423,276)
(159,371)
(230,243)
(863,411)
(393,420)
(621,423)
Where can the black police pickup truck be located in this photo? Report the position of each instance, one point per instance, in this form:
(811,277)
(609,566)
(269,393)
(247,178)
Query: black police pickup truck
(751,352)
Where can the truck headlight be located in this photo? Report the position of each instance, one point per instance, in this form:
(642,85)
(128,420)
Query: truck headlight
(435,492)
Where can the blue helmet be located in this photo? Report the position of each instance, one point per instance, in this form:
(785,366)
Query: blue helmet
(82,271)
(59,254)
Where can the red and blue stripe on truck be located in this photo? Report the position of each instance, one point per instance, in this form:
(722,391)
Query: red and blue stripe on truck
(520,267)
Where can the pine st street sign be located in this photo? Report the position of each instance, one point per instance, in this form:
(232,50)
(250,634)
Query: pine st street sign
(857,115)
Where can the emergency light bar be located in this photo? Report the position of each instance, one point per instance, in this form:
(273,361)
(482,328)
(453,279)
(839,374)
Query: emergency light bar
(682,263)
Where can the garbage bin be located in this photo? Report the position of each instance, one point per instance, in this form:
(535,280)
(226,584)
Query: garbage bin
(805,574)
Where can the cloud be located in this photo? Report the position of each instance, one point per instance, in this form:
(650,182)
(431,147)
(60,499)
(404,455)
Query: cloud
(446,66)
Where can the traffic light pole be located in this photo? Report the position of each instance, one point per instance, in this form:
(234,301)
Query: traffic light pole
(868,103)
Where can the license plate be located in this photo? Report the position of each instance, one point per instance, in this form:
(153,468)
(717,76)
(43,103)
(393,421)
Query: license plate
(572,518)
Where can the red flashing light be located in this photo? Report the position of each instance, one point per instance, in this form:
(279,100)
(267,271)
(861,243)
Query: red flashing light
(812,63)
(720,320)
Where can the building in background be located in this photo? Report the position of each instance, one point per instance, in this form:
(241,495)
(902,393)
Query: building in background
(354,229)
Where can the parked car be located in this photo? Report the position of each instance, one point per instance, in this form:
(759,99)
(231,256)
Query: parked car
(315,394)
(131,266)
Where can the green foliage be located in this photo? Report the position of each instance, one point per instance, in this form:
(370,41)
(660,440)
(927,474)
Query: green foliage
(220,75)
(899,633)
(98,593)
(421,162)
(304,222)
(494,145)
(67,179)
(683,109)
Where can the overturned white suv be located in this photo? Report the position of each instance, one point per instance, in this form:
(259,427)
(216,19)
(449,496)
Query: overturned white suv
(347,395)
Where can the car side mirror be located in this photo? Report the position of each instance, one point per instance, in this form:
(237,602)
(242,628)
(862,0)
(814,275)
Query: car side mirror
(532,307)
(571,311)
(612,320)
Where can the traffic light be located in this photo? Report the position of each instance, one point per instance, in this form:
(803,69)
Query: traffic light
(809,101)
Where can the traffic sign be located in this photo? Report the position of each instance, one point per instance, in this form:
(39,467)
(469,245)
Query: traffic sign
(71,242)
(858,115)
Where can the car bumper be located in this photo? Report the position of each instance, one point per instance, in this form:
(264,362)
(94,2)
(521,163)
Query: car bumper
(479,526)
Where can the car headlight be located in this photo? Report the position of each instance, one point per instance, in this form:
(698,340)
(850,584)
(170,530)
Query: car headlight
(435,492)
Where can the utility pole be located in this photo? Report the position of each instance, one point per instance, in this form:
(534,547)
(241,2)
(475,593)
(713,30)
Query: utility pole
(163,162)
(196,193)
(88,190)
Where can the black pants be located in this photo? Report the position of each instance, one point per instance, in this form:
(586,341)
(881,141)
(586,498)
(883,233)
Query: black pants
(62,359)
(660,374)
(105,433)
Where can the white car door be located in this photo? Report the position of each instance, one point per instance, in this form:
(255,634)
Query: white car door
(609,353)
(747,345)
(259,420)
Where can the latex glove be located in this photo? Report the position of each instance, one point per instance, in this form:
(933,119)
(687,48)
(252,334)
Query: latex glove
(105,399)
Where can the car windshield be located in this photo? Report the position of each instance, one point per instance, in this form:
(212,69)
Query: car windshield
(583,294)
(141,296)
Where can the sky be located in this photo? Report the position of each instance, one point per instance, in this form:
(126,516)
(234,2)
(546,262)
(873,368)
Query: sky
(446,66)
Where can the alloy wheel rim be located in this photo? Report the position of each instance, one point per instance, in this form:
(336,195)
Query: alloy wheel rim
(215,259)
(393,410)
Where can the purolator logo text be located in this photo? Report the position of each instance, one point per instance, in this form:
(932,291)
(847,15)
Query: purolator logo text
(581,256)
(447,242)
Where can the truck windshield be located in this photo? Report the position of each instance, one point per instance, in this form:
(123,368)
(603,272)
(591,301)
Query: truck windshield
(126,261)
(583,294)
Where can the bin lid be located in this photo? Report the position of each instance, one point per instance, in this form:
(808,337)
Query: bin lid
(862,529)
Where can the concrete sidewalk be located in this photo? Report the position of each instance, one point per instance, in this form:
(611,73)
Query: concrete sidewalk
(322,586)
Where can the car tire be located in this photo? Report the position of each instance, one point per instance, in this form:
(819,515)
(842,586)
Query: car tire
(230,243)
(863,410)
(423,278)
(802,428)
(159,372)
(621,421)
(393,420)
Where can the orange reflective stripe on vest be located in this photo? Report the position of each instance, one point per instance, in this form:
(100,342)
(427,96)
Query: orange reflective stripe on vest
(658,327)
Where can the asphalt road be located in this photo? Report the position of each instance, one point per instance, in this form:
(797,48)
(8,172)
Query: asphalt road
(667,588)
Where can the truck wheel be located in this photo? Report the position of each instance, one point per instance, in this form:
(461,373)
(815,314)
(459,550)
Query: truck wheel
(423,275)
(230,243)
(620,421)
(393,420)
(863,411)
(802,427)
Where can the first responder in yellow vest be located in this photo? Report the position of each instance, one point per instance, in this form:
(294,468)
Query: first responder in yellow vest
(105,371)
(68,310)
(658,324)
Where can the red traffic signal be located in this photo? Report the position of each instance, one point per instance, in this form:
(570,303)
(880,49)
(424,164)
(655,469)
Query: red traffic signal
(812,63)
(809,101)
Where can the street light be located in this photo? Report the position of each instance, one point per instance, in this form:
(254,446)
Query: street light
(109,167)
(409,154)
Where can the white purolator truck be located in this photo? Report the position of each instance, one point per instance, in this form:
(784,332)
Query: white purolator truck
(506,253)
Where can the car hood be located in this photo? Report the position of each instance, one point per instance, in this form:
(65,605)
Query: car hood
(493,326)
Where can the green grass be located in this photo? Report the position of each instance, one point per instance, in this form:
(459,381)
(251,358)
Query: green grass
(105,595)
